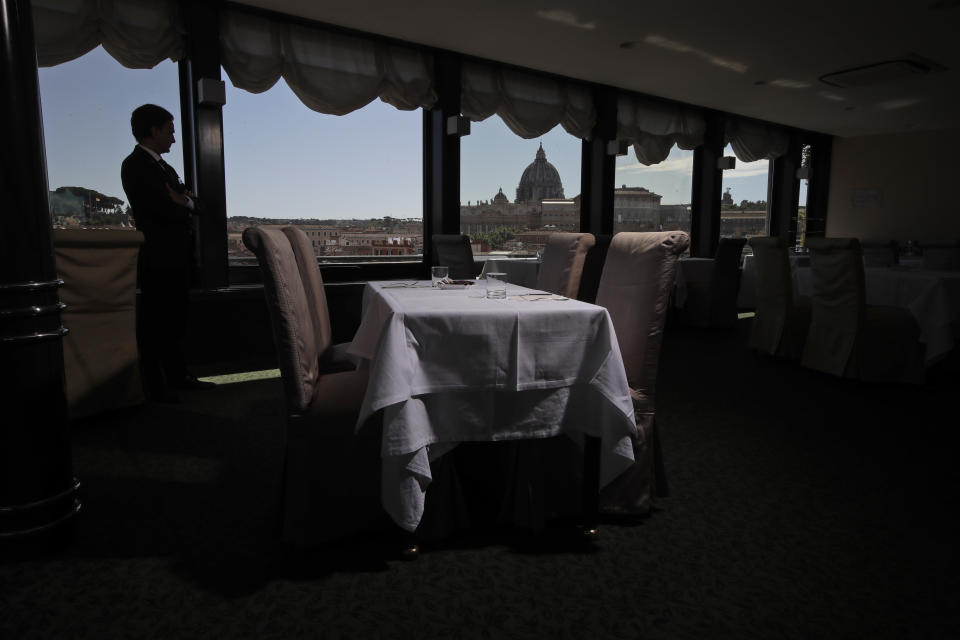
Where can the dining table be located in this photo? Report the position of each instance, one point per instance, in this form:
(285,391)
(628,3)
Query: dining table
(931,297)
(448,365)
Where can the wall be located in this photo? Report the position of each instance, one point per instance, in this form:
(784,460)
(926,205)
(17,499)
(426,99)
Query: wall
(896,187)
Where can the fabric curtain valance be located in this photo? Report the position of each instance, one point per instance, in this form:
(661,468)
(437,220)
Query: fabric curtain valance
(530,104)
(138,33)
(653,127)
(330,72)
(753,140)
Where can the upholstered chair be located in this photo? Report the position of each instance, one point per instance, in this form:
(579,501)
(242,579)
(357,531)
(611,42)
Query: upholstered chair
(454,251)
(563,260)
(714,304)
(781,322)
(879,255)
(941,258)
(330,475)
(847,337)
(635,288)
(333,357)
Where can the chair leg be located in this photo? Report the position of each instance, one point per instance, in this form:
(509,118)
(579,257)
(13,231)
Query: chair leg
(660,486)
(591,485)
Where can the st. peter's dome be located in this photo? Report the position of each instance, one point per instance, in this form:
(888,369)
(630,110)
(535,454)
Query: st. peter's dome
(539,180)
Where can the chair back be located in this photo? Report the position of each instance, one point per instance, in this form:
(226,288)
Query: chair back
(312,284)
(454,251)
(635,288)
(884,255)
(563,259)
(593,268)
(941,258)
(290,316)
(725,282)
(773,292)
(837,302)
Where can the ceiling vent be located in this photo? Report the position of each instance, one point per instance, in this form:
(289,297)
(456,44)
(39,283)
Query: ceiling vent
(880,73)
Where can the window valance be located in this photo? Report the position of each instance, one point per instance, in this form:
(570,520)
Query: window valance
(653,127)
(754,140)
(138,33)
(530,104)
(330,72)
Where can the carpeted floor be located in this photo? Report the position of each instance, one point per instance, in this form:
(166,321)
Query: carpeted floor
(802,507)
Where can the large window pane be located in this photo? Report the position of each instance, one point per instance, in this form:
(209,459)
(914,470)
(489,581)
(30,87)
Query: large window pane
(515,192)
(87,104)
(655,197)
(743,205)
(354,183)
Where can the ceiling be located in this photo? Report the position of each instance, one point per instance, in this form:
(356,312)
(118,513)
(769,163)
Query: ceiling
(759,58)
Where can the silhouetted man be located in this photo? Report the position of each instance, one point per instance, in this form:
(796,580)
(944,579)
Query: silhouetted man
(163,210)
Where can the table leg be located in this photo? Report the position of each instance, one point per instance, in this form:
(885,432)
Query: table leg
(591,485)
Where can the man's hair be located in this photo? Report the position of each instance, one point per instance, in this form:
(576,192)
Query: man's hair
(144,118)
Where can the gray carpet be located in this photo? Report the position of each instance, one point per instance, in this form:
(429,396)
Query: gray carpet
(802,507)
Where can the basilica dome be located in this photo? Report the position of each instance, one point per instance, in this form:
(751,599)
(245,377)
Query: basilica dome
(500,198)
(539,180)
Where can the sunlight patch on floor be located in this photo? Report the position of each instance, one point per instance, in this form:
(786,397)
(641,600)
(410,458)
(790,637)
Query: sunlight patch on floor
(243,376)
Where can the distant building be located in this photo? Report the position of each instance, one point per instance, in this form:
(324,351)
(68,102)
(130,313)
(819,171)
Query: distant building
(540,181)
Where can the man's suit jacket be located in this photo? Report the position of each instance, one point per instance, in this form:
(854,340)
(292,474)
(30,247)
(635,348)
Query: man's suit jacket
(167,226)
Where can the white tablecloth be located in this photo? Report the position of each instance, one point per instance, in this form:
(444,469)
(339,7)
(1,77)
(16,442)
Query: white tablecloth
(520,271)
(447,367)
(932,297)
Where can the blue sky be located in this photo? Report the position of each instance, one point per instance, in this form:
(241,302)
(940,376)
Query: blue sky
(285,161)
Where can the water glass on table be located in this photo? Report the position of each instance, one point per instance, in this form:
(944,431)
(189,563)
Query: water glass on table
(438,275)
(496,285)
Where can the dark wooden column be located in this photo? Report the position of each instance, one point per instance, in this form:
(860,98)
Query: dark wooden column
(707,183)
(441,156)
(37,489)
(202,127)
(818,189)
(784,192)
(597,168)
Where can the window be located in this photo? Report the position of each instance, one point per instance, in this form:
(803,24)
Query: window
(655,197)
(514,192)
(743,204)
(353,183)
(801,228)
(87,104)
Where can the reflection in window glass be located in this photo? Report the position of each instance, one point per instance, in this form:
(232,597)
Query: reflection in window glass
(801,230)
(515,192)
(743,204)
(86,106)
(354,183)
(655,197)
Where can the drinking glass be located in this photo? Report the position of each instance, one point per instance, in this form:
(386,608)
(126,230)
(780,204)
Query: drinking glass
(437,274)
(496,285)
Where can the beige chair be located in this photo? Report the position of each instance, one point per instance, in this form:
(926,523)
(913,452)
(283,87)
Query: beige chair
(333,357)
(330,476)
(563,260)
(454,251)
(847,337)
(781,322)
(879,255)
(635,288)
(941,258)
(714,303)
(99,271)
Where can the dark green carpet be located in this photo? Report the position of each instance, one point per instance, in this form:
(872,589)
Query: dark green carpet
(802,507)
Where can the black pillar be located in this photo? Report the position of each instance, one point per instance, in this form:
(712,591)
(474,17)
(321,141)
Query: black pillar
(441,156)
(37,487)
(818,189)
(202,126)
(784,192)
(597,168)
(707,183)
